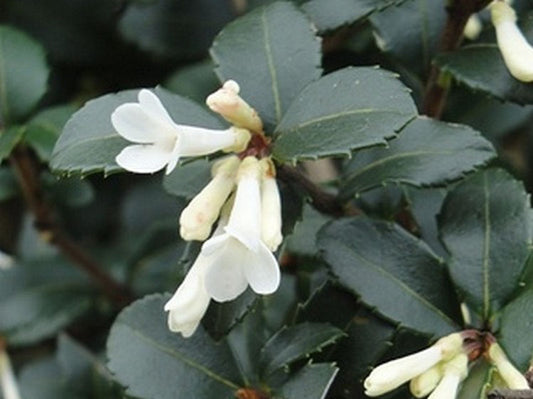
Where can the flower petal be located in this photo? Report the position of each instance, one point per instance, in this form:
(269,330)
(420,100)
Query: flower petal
(262,271)
(225,279)
(152,105)
(143,158)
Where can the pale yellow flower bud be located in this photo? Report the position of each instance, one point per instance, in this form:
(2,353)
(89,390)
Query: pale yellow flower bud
(270,206)
(197,218)
(227,102)
(512,377)
(242,138)
(455,371)
(473,27)
(423,384)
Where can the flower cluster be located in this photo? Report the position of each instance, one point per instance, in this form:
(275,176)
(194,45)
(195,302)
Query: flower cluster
(438,371)
(242,199)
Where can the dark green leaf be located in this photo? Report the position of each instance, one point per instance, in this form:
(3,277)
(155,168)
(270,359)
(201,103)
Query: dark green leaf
(272,53)
(23,74)
(72,192)
(44,129)
(292,343)
(515,330)
(427,152)
(310,382)
(89,143)
(475,386)
(196,81)
(484,225)
(222,317)
(170,28)
(481,67)
(188,179)
(332,14)
(411,32)
(346,110)
(302,240)
(9,139)
(373,257)
(153,362)
(43,379)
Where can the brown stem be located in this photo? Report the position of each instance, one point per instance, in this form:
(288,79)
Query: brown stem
(458,13)
(322,201)
(510,394)
(26,170)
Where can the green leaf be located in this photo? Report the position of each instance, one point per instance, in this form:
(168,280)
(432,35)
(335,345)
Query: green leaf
(188,179)
(427,152)
(39,298)
(9,139)
(302,240)
(23,74)
(481,67)
(346,110)
(332,14)
(515,330)
(178,29)
(89,143)
(195,81)
(71,192)
(222,317)
(310,382)
(272,52)
(44,129)
(411,32)
(484,224)
(292,343)
(43,379)
(153,362)
(372,257)
(476,385)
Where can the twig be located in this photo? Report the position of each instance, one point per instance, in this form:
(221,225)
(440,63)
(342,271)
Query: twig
(322,201)
(458,13)
(26,170)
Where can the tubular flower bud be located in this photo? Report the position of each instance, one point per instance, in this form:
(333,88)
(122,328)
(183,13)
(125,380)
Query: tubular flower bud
(160,141)
(423,384)
(512,377)
(394,373)
(270,206)
(517,53)
(455,371)
(238,257)
(227,102)
(198,217)
(8,383)
(473,27)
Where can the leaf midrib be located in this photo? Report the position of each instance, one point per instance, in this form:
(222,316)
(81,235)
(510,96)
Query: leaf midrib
(400,283)
(486,249)
(177,355)
(271,67)
(78,143)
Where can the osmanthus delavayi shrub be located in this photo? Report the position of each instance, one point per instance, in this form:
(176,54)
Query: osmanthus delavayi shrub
(333,205)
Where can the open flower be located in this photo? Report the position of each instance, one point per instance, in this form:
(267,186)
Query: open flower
(238,258)
(270,206)
(161,142)
(199,216)
(517,53)
(392,374)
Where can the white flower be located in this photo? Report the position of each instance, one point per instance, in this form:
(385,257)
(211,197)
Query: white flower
(161,142)
(198,217)
(422,385)
(239,257)
(394,373)
(455,371)
(7,378)
(516,51)
(270,206)
(473,27)
(512,377)
(6,261)
(227,102)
